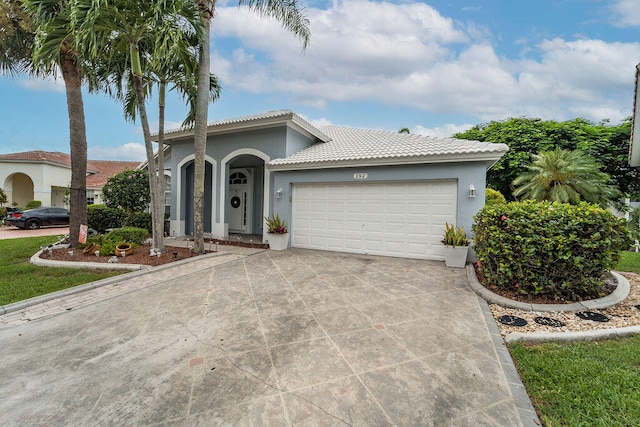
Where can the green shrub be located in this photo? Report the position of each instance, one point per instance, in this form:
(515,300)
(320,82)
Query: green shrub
(3,212)
(493,197)
(102,218)
(544,248)
(134,235)
(33,204)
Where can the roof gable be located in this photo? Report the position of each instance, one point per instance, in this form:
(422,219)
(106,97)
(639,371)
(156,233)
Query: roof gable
(253,122)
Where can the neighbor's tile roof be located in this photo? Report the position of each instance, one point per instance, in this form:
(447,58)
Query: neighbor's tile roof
(105,170)
(377,146)
(39,156)
(98,170)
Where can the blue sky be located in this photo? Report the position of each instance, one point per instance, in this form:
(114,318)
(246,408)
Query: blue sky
(436,67)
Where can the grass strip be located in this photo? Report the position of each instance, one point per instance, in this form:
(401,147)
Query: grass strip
(629,261)
(584,383)
(20,280)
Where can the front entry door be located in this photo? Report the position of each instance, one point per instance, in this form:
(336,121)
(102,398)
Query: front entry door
(240,197)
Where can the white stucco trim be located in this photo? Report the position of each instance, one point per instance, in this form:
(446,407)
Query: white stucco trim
(179,221)
(223,186)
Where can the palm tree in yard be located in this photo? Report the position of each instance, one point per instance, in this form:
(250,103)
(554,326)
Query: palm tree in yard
(142,42)
(566,177)
(51,50)
(176,71)
(292,18)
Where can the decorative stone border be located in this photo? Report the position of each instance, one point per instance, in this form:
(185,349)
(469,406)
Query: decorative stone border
(618,295)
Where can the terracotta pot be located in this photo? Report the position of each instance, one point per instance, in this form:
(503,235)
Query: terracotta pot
(91,249)
(124,247)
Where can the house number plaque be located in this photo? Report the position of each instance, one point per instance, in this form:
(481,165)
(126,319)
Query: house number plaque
(360,175)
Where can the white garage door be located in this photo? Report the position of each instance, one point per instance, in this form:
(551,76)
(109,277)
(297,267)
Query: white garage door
(404,219)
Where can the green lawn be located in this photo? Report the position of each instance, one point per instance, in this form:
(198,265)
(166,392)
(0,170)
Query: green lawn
(630,261)
(586,383)
(583,384)
(21,280)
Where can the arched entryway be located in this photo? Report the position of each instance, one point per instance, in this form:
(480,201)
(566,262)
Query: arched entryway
(188,172)
(19,189)
(243,191)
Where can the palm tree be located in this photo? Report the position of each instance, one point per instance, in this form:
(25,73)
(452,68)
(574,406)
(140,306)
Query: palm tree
(179,74)
(136,40)
(566,177)
(292,18)
(404,130)
(54,49)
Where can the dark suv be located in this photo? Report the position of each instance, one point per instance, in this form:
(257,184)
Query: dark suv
(38,217)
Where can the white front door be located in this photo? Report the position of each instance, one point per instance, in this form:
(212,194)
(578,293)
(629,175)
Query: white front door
(239,207)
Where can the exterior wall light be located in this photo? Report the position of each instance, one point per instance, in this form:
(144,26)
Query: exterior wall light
(472,191)
(279,193)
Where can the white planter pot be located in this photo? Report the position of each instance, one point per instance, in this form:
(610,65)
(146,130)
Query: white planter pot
(455,256)
(278,242)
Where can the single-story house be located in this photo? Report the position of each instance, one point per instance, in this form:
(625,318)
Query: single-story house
(337,188)
(46,176)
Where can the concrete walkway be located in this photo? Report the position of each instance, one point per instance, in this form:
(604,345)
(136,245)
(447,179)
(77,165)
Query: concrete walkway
(275,338)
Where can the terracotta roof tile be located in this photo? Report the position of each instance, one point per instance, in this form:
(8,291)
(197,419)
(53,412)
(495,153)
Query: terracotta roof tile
(98,170)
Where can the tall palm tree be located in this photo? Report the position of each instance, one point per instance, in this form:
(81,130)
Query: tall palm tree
(177,74)
(152,37)
(566,177)
(54,50)
(292,18)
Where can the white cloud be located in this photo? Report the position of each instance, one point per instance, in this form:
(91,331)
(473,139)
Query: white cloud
(626,13)
(360,53)
(443,131)
(39,84)
(131,151)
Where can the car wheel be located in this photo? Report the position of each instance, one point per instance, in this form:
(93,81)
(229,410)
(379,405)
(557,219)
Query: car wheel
(33,224)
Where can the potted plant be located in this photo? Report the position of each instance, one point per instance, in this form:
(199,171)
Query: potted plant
(278,234)
(456,246)
(123,249)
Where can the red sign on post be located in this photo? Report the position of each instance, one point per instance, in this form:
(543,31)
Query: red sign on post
(82,238)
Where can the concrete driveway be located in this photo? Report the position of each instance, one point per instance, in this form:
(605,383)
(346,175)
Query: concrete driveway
(297,337)
(10,232)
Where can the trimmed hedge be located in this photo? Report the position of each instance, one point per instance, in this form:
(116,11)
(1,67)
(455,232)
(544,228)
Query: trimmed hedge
(493,197)
(102,218)
(551,249)
(33,204)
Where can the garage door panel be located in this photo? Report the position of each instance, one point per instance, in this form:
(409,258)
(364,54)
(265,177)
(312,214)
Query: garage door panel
(396,219)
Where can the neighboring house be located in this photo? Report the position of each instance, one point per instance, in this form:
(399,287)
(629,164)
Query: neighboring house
(46,176)
(338,188)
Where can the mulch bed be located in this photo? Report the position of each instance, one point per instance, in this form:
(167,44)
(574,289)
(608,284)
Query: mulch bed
(140,255)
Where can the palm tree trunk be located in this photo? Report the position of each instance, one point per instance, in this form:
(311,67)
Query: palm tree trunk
(72,77)
(200,129)
(159,227)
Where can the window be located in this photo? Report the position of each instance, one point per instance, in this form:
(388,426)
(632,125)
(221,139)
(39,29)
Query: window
(90,196)
(167,194)
(238,178)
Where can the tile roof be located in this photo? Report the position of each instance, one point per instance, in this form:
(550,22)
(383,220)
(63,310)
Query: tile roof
(98,170)
(357,147)
(255,121)
(105,170)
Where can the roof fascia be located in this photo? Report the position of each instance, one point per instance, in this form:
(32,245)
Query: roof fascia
(289,119)
(489,158)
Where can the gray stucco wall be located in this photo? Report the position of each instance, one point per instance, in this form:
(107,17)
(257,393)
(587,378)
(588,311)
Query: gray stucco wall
(465,174)
(275,142)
